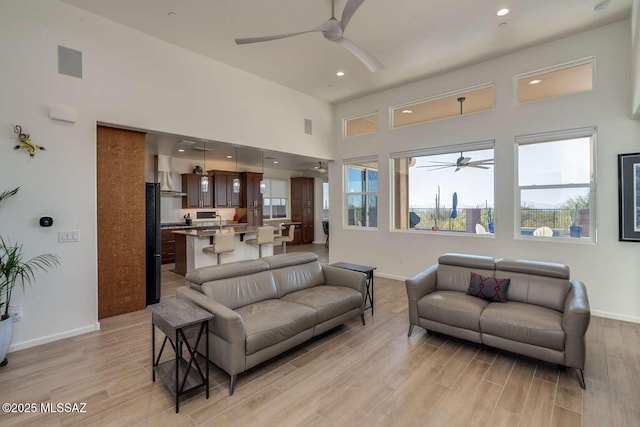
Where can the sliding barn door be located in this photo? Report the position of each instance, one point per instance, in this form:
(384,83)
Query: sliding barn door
(121,221)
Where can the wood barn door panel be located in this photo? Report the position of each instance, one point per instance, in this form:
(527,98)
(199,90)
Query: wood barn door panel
(121,221)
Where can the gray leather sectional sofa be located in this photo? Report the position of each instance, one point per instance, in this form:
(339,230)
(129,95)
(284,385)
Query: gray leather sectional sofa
(545,316)
(264,307)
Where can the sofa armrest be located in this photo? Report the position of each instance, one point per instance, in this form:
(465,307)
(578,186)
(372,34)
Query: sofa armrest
(577,312)
(226,323)
(422,283)
(334,276)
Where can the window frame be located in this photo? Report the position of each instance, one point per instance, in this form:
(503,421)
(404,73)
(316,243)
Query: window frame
(558,67)
(353,163)
(457,92)
(446,149)
(556,136)
(287,197)
(346,120)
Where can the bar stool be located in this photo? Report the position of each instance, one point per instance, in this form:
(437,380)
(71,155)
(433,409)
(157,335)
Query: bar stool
(222,243)
(264,237)
(285,239)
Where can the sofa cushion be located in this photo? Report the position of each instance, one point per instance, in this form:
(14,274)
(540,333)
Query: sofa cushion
(297,277)
(238,291)
(271,321)
(544,291)
(452,308)
(526,323)
(489,288)
(328,301)
(456,278)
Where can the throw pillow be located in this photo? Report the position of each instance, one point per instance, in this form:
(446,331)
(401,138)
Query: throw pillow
(488,288)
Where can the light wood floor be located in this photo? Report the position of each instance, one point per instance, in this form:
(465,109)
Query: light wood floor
(356,375)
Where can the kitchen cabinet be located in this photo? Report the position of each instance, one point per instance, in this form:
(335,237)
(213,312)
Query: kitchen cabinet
(302,198)
(168,246)
(196,198)
(251,198)
(223,195)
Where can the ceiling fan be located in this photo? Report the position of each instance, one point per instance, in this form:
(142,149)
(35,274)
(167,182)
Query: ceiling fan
(320,167)
(461,162)
(332,30)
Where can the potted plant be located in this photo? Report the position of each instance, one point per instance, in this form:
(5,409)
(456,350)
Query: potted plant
(489,217)
(575,229)
(436,214)
(15,271)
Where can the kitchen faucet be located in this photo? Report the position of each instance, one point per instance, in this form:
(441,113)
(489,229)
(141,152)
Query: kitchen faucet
(219,222)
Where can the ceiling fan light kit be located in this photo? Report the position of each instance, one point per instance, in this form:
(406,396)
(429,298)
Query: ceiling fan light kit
(332,30)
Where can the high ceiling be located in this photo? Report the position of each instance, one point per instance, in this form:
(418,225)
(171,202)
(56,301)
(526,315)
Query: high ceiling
(413,39)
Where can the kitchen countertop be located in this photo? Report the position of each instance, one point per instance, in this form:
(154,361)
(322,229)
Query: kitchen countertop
(183,226)
(208,232)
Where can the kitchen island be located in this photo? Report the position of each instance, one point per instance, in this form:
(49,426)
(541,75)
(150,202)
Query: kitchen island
(191,242)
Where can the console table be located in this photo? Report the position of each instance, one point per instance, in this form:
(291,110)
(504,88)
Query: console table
(362,269)
(177,319)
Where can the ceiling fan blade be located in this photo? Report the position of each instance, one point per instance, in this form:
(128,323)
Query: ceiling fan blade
(443,163)
(348,11)
(480,162)
(365,57)
(477,166)
(323,27)
(435,168)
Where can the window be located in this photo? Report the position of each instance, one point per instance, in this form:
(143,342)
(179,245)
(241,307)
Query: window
(556,185)
(361,192)
(573,77)
(446,189)
(275,199)
(325,200)
(361,125)
(452,104)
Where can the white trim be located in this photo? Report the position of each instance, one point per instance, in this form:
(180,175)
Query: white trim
(442,95)
(390,276)
(55,337)
(348,119)
(560,135)
(445,149)
(615,316)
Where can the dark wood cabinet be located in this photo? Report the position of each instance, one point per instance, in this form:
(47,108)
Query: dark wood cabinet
(223,194)
(302,198)
(196,198)
(168,246)
(251,198)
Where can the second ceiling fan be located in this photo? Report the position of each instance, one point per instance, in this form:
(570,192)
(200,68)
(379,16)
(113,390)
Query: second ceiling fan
(332,30)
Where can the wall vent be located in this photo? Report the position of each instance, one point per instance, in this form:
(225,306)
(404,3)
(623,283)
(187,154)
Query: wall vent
(69,62)
(307,126)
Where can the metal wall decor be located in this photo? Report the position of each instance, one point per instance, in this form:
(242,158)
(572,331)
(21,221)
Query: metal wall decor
(25,142)
(629,197)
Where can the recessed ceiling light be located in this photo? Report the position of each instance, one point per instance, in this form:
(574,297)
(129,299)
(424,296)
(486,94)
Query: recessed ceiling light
(275,162)
(535,82)
(502,12)
(407,111)
(172,14)
(181,150)
(229,156)
(502,25)
(340,73)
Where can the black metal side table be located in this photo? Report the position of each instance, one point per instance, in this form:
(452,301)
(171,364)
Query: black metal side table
(176,319)
(362,269)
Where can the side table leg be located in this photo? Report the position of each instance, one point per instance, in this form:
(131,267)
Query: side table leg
(153,351)
(177,380)
(206,360)
(371,280)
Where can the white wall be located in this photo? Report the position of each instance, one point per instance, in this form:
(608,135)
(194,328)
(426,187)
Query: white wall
(130,79)
(610,268)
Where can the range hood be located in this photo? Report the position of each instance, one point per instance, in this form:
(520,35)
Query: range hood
(165,176)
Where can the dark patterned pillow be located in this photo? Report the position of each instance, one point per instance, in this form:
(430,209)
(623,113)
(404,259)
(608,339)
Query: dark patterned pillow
(488,288)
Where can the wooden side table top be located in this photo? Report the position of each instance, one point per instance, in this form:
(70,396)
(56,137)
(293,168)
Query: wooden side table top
(179,313)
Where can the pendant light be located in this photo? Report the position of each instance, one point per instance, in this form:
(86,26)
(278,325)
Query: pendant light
(236,181)
(204,179)
(263,185)
(461,100)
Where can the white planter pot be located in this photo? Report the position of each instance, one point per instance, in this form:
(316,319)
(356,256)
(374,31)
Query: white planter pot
(6,332)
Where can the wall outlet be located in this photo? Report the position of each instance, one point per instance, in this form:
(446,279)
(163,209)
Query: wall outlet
(15,312)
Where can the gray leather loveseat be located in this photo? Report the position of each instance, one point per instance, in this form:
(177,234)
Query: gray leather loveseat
(264,307)
(545,314)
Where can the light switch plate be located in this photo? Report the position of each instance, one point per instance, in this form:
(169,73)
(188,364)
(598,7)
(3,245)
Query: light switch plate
(69,236)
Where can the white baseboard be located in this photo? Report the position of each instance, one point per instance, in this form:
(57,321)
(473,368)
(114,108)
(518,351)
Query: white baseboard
(55,337)
(389,276)
(615,316)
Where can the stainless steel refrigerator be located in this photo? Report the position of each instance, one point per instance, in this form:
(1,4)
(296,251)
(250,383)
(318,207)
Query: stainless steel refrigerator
(154,259)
